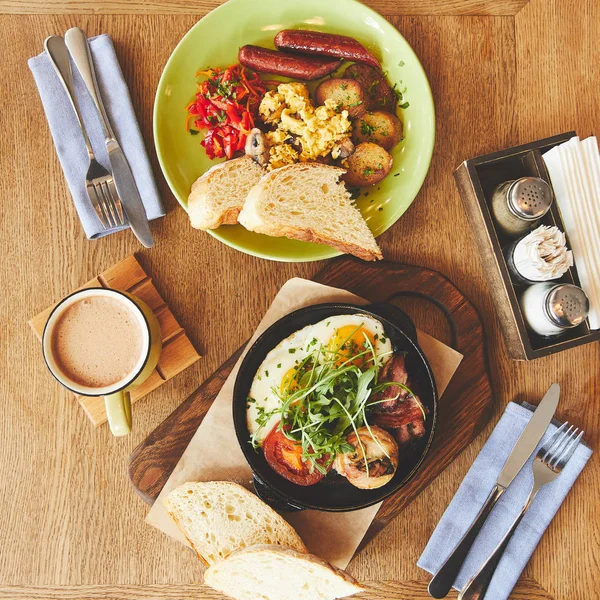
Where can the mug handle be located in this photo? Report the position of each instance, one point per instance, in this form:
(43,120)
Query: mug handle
(118,411)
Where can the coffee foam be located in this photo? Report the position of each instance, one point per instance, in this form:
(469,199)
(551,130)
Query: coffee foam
(97,341)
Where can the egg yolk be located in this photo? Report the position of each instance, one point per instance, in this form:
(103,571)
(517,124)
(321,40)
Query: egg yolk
(289,382)
(349,341)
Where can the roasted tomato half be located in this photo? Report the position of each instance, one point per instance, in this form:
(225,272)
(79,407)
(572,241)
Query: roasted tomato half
(285,458)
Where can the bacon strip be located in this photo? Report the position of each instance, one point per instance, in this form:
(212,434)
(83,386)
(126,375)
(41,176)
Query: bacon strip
(411,431)
(399,407)
(394,370)
(408,412)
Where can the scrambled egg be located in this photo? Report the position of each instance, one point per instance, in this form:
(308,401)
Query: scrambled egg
(304,133)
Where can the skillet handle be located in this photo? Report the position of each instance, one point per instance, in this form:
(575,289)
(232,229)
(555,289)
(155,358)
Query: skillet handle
(397,316)
(440,305)
(271,497)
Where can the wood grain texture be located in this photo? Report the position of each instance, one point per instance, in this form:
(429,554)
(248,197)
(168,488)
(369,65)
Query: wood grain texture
(526,589)
(153,461)
(177,353)
(464,408)
(200,7)
(68,515)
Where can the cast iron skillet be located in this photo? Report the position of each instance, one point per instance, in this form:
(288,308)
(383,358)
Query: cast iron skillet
(334,493)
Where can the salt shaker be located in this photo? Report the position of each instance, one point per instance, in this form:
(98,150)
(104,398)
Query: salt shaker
(519,204)
(550,309)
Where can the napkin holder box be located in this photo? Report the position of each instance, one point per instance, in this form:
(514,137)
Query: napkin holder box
(476,179)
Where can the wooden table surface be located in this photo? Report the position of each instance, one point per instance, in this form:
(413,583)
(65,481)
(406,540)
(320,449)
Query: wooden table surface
(502,72)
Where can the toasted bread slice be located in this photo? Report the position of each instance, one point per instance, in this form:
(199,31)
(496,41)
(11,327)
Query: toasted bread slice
(276,573)
(217,197)
(307,201)
(219,517)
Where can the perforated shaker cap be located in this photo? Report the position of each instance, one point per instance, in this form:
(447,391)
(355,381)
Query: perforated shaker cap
(529,198)
(567,305)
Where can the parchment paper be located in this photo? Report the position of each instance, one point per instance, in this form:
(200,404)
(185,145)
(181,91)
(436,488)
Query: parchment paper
(214,454)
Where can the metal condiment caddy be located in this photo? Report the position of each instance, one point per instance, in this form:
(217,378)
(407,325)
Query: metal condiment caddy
(477,180)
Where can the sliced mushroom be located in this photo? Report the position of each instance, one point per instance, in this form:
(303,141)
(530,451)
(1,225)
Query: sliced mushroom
(257,147)
(295,142)
(372,462)
(346,148)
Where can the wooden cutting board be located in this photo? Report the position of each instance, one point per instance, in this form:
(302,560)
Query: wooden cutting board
(464,408)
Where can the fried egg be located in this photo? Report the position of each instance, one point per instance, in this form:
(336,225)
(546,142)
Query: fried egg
(341,337)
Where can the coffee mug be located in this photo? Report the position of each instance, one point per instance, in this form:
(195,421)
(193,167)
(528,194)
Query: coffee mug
(132,322)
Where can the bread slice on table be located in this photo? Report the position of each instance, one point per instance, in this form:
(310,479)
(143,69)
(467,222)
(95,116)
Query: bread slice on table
(266,572)
(307,201)
(219,517)
(217,197)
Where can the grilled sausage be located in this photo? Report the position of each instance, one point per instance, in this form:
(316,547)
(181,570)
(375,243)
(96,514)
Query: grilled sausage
(306,68)
(324,44)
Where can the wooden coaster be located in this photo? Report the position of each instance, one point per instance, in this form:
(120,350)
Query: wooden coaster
(177,352)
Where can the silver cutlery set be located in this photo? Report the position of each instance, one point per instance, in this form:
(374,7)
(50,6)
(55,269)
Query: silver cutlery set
(115,197)
(548,464)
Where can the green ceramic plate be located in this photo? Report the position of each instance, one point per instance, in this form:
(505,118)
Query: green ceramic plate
(215,40)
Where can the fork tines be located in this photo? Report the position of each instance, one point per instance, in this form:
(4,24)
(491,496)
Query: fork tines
(557,451)
(106,202)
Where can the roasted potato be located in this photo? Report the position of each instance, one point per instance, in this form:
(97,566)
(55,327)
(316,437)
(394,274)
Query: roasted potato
(378,94)
(379,127)
(368,165)
(346,93)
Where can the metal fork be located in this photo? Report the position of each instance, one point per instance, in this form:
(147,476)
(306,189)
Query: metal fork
(548,464)
(99,182)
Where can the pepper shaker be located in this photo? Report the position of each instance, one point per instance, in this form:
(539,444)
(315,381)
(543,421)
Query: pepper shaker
(550,309)
(519,204)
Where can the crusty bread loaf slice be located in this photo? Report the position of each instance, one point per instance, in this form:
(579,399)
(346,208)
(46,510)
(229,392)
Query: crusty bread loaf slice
(219,517)
(307,201)
(265,572)
(217,197)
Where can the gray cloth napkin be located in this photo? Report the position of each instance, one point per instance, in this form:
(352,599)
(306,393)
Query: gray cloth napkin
(69,141)
(473,492)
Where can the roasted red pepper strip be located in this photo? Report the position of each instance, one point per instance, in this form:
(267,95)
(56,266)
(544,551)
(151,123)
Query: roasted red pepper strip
(225,105)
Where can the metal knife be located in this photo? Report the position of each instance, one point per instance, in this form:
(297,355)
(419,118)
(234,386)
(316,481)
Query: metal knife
(127,189)
(442,581)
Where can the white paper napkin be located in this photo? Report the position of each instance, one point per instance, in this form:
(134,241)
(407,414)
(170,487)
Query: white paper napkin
(574,169)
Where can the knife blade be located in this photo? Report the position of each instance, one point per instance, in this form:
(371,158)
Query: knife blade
(531,436)
(442,581)
(129,194)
